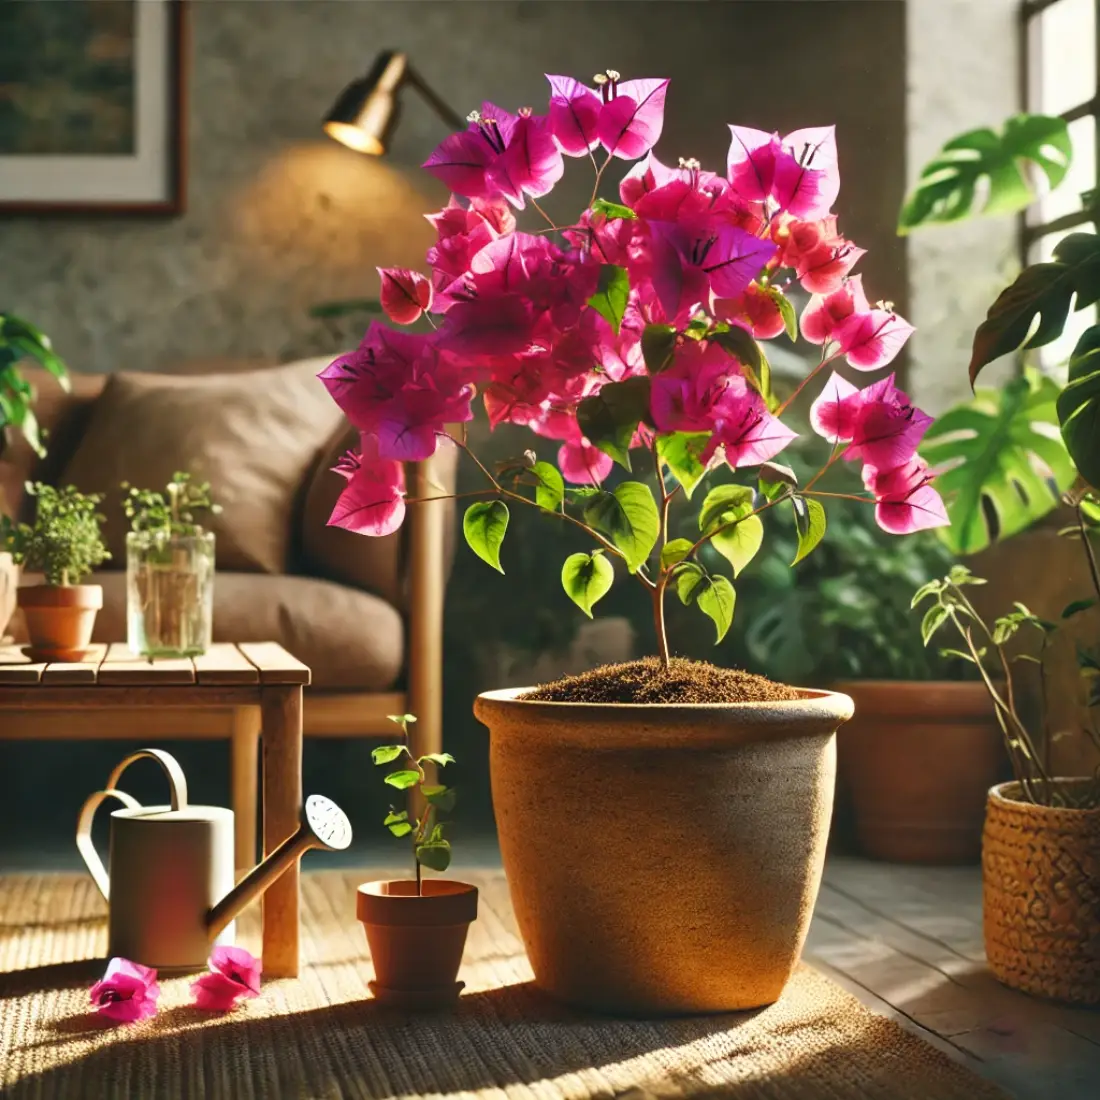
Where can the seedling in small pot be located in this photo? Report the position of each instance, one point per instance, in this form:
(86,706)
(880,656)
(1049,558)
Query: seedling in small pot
(430,847)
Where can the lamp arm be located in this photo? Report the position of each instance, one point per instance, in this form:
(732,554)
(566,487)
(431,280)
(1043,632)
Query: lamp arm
(441,108)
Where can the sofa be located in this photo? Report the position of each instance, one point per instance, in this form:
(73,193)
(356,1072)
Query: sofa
(365,614)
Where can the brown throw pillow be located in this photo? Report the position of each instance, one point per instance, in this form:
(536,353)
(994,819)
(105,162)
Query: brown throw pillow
(255,436)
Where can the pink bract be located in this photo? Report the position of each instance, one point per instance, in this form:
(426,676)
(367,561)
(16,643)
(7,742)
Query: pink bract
(234,975)
(126,993)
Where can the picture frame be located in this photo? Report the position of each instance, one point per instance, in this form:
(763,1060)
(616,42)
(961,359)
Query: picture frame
(103,128)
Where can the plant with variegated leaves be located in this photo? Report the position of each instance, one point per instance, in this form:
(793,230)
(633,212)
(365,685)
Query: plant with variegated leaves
(423,828)
(635,329)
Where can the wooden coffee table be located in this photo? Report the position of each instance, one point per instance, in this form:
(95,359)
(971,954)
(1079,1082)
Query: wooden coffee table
(113,694)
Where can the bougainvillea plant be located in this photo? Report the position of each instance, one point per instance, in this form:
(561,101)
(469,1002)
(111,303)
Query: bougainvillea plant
(632,333)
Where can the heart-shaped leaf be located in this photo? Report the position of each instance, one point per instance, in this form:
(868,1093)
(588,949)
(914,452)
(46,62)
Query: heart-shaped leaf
(550,490)
(587,578)
(658,344)
(612,293)
(629,517)
(1002,464)
(610,418)
(739,544)
(484,526)
(681,453)
(403,779)
(1079,406)
(675,551)
(809,521)
(443,798)
(436,856)
(386,754)
(716,598)
(723,505)
(948,186)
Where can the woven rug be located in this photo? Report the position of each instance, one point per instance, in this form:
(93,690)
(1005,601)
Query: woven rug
(321,1036)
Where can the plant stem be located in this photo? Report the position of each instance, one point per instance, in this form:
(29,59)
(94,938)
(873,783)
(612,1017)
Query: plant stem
(825,359)
(599,176)
(550,220)
(1089,552)
(659,622)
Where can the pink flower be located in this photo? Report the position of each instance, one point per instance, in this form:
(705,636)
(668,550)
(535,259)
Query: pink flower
(820,257)
(625,117)
(834,413)
(906,500)
(462,232)
(797,174)
(871,340)
(405,294)
(688,396)
(650,174)
(755,309)
(127,992)
(825,313)
(583,464)
(234,974)
(885,429)
(373,501)
(747,433)
(499,154)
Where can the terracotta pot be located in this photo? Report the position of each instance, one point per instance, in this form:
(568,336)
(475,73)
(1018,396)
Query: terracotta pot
(663,858)
(416,941)
(1041,895)
(60,617)
(9,582)
(916,762)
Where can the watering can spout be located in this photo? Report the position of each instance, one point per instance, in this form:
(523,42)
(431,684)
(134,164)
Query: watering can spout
(323,825)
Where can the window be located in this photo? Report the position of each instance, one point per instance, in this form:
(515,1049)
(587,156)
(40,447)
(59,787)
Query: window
(1061,50)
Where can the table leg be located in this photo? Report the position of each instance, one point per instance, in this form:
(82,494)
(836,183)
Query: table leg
(245,747)
(281,707)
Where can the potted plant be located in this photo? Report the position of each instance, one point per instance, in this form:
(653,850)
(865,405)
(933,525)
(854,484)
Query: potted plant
(1014,455)
(416,928)
(20,340)
(63,542)
(922,749)
(169,569)
(662,823)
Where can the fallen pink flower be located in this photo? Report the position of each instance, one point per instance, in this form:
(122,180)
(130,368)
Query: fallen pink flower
(127,992)
(234,974)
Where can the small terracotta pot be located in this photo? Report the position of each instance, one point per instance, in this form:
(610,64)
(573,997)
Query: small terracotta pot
(663,858)
(915,763)
(416,941)
(60,617)
(1041,895)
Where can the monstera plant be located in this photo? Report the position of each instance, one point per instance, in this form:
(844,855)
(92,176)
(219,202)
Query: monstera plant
(20,340)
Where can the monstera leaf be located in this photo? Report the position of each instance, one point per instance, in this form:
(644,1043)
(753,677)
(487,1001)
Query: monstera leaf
(948,187)
(1043,291)
(1079,407)
(1003,465)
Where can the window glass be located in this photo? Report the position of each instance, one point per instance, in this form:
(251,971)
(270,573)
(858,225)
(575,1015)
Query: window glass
(1066,198)
(1062,65)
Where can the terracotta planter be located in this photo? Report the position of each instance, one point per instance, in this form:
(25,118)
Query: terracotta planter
(416,941)
(916,762)
(663,858)
(1041,895)
(60,617)
(9,582)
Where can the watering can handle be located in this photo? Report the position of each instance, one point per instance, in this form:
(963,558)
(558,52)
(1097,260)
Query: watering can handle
(176,779)
(84,843)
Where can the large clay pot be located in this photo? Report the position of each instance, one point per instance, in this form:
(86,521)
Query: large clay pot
(416,940)
(1041,894)
(663,858)
(60,618)
(915,763)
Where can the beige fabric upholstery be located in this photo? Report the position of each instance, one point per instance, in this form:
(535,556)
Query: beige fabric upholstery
(352,641)
(255,436)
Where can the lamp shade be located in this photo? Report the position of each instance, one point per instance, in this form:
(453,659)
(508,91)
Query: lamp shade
(366,111)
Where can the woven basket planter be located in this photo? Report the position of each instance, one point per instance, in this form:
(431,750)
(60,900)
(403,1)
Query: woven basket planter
(1041,895)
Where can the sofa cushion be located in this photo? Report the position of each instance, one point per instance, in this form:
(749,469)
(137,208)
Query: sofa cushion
(255,436)
(352,641)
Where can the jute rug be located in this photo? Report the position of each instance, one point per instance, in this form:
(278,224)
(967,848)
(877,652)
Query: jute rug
(320,1035)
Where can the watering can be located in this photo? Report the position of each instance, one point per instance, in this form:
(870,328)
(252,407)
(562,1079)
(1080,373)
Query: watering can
(170,893)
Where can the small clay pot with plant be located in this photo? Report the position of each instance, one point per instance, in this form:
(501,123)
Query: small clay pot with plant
(169,569)
(65,543)
(416,928)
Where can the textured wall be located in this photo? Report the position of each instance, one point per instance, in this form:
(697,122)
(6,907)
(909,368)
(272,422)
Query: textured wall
(280,217)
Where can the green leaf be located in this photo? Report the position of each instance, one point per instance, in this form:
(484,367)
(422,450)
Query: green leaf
(1079,406)
(440,758)
(1000,471)
(716,598)
(960,575)
(932,588)
(612,210)
(403,779)
(1077,607)
(786,309)
(612,293)
(740,544)
(776,480)
(681,453)
(948,185)
(629,518)
(401,720)
(550,490)
(436,856)
(443,798)
(690,578)
(723,505)
(1041,292)
(400,830)
(587,578)
(809,521)
(658,344)
(610,418)
(740,343)
(933,619)
(393,818)
(675,551)
(386,754)
(484,526)
(958,654)
(345,308)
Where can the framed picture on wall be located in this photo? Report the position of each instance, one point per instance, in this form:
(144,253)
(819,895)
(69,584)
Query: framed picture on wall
(93,107)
